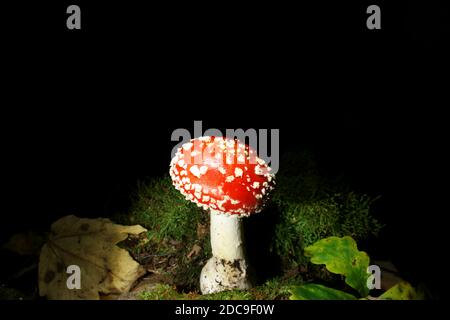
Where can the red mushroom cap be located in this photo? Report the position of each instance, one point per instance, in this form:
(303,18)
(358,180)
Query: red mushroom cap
(222,174)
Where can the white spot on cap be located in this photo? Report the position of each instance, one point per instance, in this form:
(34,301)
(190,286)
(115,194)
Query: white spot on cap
(187,146)
(222,202)
(260,161)
(229,179)
(222,170)
(203,169)
(258,170)
(255,185)
(195,171)
(238,172)
(205,198)
(185,180)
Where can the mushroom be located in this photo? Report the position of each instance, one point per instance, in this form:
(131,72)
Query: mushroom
(227,178)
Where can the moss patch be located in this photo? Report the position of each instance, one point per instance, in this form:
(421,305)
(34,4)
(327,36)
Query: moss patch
(312,207)
(178,238)
(274,289)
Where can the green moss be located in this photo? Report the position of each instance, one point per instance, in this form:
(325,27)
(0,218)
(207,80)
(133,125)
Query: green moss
(312,207)
(303,223)
(274,289)
(161,209)
(162,292)
(167,292)
(175,226)
(228,295)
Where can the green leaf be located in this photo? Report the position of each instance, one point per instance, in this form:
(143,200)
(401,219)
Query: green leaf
(401,291)
(341,256)
(318,292)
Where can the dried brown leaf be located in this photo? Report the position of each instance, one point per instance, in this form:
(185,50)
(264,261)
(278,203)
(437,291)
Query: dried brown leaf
(194,251)
(91,245)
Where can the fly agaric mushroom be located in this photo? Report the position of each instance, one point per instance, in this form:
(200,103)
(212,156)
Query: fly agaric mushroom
(227,178)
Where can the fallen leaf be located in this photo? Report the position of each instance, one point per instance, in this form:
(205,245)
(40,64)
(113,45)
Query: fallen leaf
(89,244)
(194,251)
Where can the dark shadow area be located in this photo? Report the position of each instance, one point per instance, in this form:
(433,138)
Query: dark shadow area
(259,234)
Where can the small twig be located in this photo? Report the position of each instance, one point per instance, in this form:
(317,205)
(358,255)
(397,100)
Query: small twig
(154,271)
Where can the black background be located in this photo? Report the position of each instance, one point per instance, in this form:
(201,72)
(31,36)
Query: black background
(86,113)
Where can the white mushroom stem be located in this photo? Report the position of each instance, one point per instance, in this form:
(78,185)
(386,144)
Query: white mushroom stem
(226,236)
(227,269)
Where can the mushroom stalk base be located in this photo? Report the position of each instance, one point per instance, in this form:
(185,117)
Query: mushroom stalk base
(227,269)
